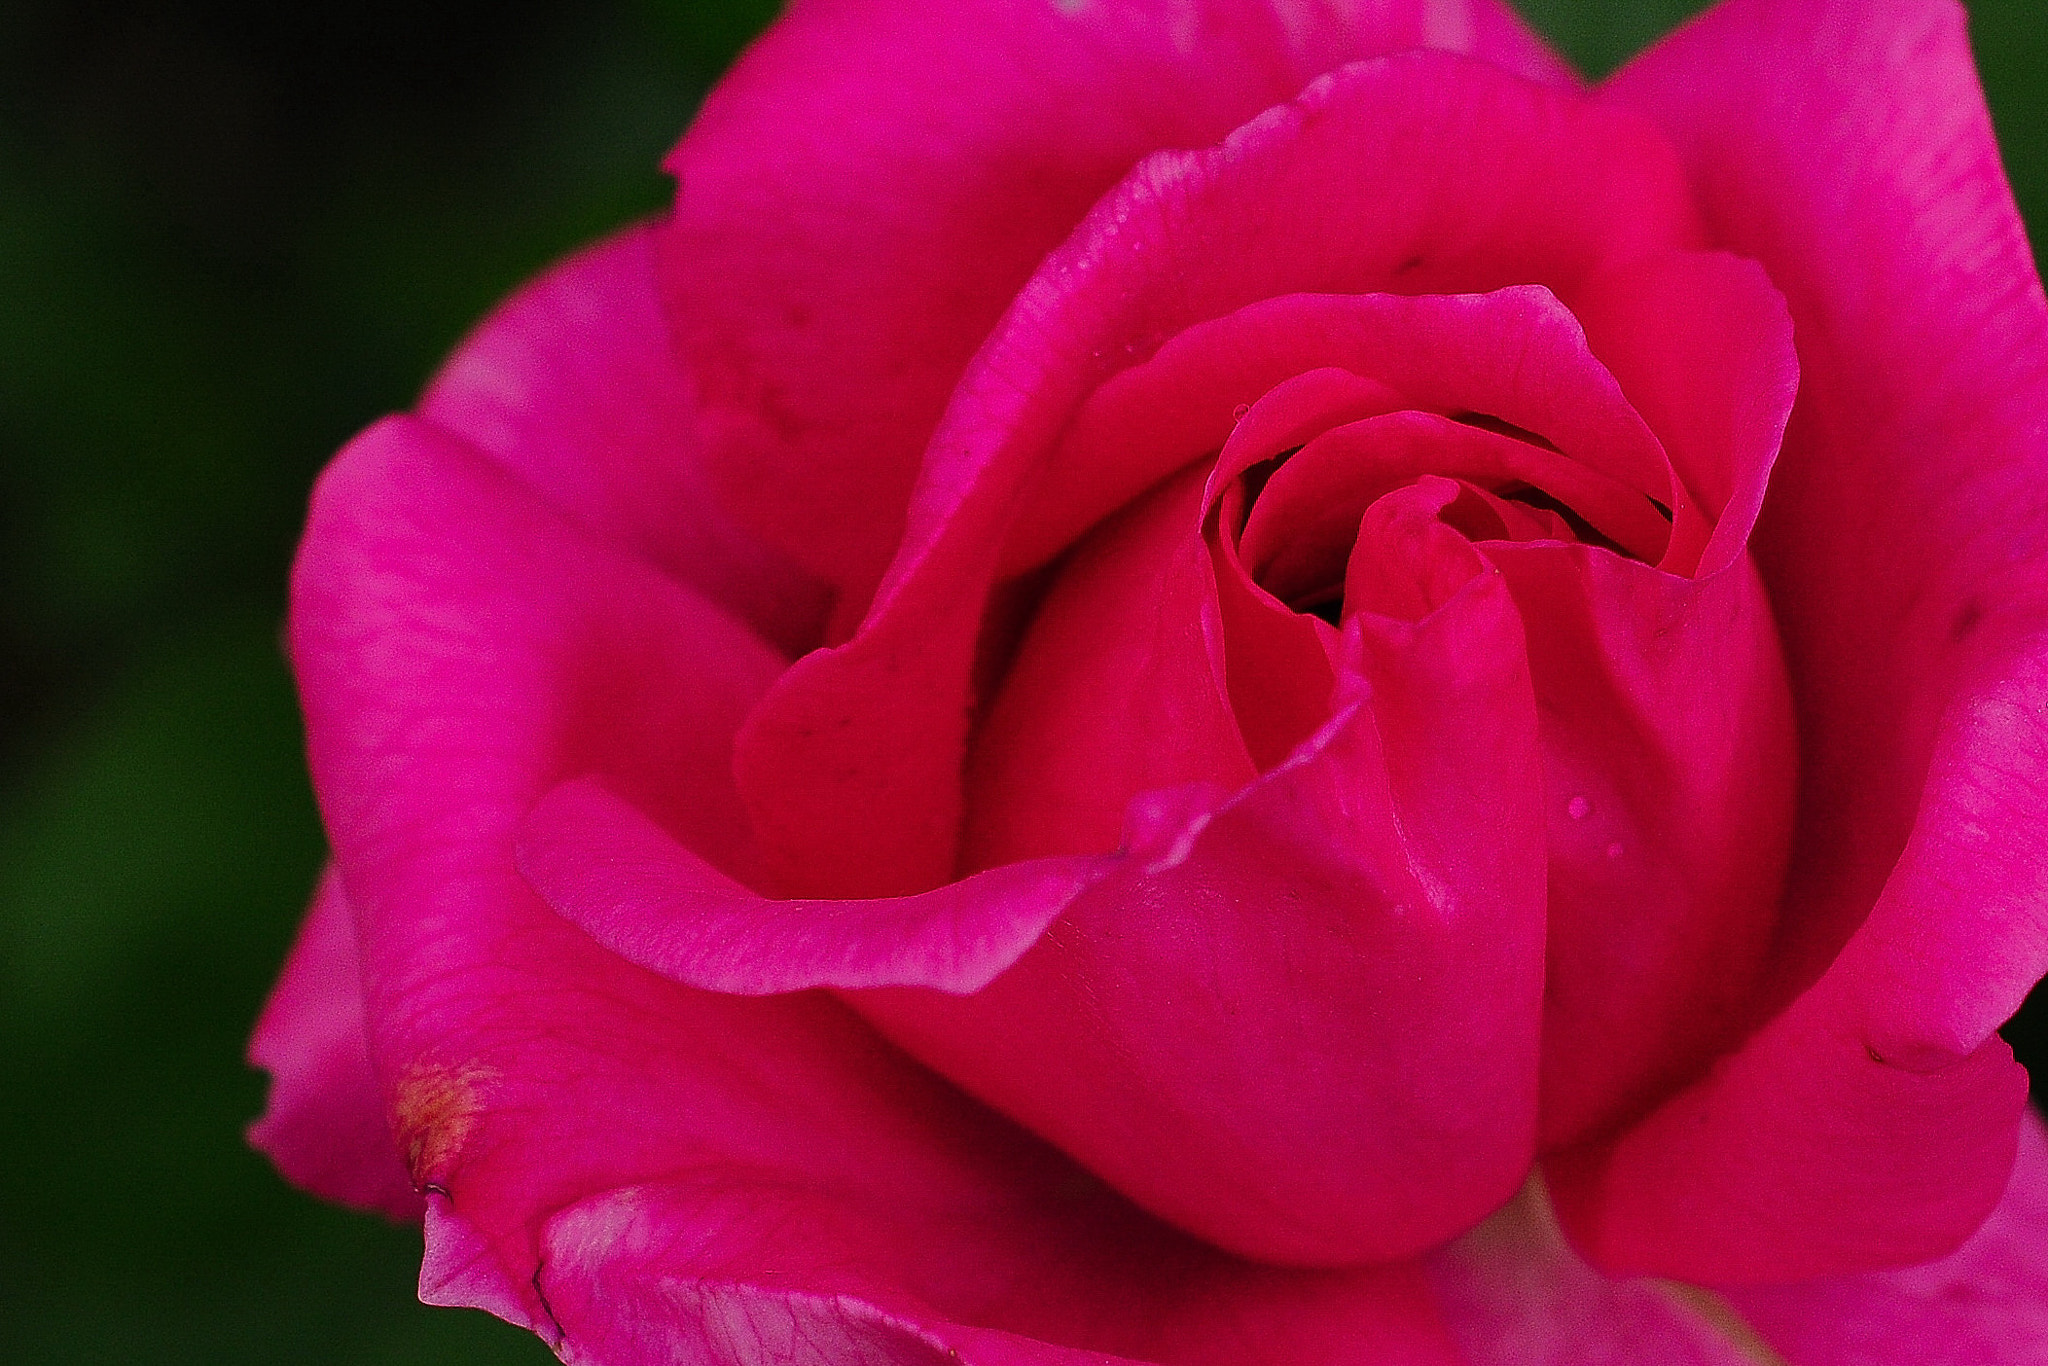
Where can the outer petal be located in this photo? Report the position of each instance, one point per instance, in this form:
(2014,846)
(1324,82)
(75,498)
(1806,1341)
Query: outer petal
(456,640)
(867,190)
(324,1125)
(573,385)
(746,1177)
(1516,1295)
(1430,174)
(673,1271)
(743,1266)
(1984,1305)
(1845,146)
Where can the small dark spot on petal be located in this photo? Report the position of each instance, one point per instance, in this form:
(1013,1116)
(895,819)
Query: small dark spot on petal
(1967,620)
(1875,1056)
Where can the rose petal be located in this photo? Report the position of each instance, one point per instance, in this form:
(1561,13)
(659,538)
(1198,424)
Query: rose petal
(673,1271)
(324,1124)
(593,1137)
(1334,478)
(457,641)
(1669,771)
(869,187)
(1118,688)
(1279,665)
(1845,146)
(1702,346)
(850,768)
(1517,355)
(1854,1131)
(632,887)
(1515,1294)
(1369,911)
(573,385)
(1984,1305)
(1405,561)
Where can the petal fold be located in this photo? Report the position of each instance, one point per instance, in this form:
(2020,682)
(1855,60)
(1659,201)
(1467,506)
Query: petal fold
(631,886)
(1986,1304)
(324,1123)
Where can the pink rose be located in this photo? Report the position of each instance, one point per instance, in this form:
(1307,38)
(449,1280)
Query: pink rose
(1001,742)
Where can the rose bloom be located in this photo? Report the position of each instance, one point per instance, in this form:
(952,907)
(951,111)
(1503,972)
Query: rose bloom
(1229,681)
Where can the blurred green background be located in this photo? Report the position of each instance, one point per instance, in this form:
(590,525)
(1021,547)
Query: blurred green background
(231,233)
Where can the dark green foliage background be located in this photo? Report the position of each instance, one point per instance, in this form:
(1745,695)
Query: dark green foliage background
(231,233)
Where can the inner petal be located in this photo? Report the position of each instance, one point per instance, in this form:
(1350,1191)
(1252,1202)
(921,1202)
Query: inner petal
(1299,530)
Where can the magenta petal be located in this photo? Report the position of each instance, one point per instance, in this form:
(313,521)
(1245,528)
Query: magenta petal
(1986,1304)
(324,1125)
(1334,478)
(1702,346)
(1873,1123)
(1405,562)
(457,641)
(1371,911)
(1670,767)
(462,649)
(851,766)
(633,888)
(573,385)
(1117,689)
(672,1271)
(1515,354)
(869,187)
(1845,146)
(461,645)
(1515,1294)
(1279,665)
(461,1270)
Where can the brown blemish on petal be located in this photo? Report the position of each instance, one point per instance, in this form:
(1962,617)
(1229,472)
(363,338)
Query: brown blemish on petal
(1968,618)
(434,1111)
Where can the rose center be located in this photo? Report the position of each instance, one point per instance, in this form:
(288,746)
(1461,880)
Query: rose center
(1295,518)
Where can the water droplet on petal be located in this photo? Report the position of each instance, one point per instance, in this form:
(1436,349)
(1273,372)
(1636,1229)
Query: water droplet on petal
(1237,413)
(1579,808)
